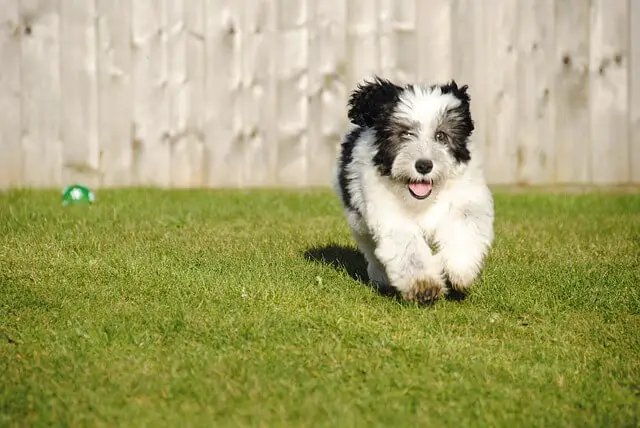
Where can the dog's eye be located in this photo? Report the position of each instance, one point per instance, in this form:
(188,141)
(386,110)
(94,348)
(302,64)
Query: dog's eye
(407,134)
(441,137)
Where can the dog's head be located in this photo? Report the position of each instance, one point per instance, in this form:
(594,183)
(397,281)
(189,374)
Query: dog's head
(422,131)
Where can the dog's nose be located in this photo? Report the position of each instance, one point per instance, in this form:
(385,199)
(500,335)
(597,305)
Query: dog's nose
(423,166)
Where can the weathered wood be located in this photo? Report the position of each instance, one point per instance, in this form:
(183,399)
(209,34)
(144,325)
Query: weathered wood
(464,14)
(435,40)
(292,89)
(535,92)
(11,173)
(79,96)
(151,131)
(468,62)
(223,153)
(216,93)
(608,82)
(258,93)
(195,86)
(327,87)
(634,100)
(478,75)
(571,68)
(362,42)
(178,94)
(500,57)
(115,93)
(40,101)
(398,39)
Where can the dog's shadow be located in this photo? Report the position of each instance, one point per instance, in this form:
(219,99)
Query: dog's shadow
(350,260)
(340,258)
(346,259)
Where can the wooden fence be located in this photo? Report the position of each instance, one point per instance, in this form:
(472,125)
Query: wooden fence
(215,93)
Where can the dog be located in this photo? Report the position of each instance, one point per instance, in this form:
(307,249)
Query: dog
(411,183)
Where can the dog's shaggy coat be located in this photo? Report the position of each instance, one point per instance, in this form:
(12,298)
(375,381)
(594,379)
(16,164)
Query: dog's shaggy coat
(413,188)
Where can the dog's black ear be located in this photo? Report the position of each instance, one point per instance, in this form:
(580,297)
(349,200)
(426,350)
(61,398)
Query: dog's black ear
(370,101)
(459,91)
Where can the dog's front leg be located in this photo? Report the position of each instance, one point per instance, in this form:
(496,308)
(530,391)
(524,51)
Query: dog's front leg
(410,266)
(464,244)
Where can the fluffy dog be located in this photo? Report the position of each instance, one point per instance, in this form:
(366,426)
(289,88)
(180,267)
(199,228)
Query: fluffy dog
(413,189)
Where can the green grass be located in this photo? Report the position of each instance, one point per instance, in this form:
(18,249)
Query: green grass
(199,308)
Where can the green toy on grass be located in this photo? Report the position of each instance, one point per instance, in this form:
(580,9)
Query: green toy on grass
(77,195)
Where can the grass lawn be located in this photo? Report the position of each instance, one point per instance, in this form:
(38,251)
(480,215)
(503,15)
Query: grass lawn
(202,308)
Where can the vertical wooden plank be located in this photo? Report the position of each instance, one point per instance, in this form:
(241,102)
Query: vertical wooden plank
(501,59)
(41,93)
(177,93)
(362,41)
(468,61)
(10,88)
(292,84)
(115,112)
(151,147)
(223,155)
(258,95)
(571,67)
(185,50)
(608,81)
(387,58)
(535,91)
(464,15)
(195,86)
(327,87)
(479,90)
(79,106)
(398,39)
(634,100)
(435,40)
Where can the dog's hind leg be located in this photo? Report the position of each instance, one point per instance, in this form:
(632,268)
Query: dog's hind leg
(366,245)
(375,269)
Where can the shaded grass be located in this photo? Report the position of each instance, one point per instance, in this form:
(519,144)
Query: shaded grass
(200,308)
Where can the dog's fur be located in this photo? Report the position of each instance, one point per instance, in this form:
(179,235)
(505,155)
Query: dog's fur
(436,236)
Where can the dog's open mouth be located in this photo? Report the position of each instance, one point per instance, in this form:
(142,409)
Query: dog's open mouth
(420,189)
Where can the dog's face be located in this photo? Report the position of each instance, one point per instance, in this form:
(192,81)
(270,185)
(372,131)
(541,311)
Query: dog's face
(422,131)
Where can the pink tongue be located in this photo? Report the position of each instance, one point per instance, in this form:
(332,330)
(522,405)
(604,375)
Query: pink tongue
(420,189)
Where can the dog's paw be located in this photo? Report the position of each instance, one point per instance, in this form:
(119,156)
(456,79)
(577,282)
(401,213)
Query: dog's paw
(461,280)
(461,269)
(459,285)
(425,291)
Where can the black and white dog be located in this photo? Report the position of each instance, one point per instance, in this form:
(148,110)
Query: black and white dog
(413,188)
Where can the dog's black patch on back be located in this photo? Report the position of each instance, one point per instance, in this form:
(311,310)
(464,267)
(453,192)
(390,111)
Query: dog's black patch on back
(346,157)
(458,123)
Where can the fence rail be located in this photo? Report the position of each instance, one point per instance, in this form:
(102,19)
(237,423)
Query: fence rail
(219,93)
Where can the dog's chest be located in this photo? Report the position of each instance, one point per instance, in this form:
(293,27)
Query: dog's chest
(430,220)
